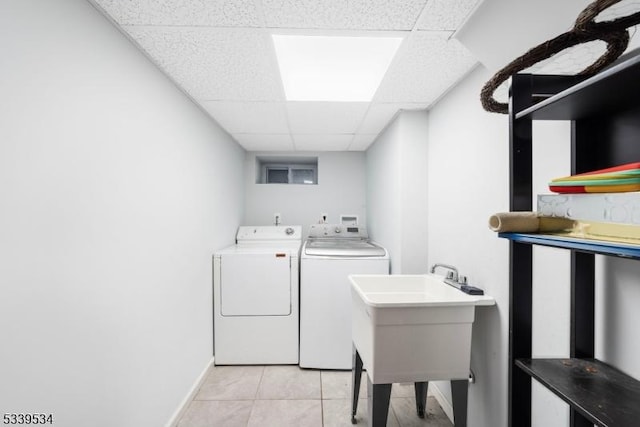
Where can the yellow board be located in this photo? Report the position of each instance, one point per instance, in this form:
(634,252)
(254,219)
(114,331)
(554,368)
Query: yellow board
(610,232)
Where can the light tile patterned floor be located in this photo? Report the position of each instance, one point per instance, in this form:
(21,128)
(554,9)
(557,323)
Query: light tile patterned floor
(287,396)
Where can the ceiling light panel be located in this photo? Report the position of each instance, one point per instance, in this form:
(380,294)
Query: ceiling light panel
(249,117)
(214,63)
(429,66)
(345,15)
(333,68)
(446,14)
(325,117)
(223,13)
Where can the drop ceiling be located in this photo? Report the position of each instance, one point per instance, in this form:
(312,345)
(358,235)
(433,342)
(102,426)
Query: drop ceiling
(220,53)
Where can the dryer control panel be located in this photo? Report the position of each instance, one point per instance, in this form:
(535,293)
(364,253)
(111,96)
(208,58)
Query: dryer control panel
(269,233)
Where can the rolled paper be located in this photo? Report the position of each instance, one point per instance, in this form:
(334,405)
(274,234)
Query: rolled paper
(514,222)
(527,222)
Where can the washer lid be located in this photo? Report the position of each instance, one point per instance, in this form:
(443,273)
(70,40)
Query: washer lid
(343,248)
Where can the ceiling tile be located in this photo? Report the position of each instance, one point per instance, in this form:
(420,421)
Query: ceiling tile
(223,13)
(325,117)
(214,63)
(445,14)
(340,14)
(428,67)
(362,141)
(249,117)
(264,142)
(326,142)
(379,115)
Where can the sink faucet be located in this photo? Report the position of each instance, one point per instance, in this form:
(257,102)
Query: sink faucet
(453,272)
(457,281)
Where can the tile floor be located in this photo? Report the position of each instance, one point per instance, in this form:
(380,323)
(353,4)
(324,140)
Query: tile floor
(287,396)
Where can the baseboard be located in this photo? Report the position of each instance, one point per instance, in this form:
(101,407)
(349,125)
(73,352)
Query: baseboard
(179,412)
(444,403)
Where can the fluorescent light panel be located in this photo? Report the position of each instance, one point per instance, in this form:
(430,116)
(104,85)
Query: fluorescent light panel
(332,68)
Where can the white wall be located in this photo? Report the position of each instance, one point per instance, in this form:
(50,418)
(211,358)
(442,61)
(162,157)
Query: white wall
(397,193)
(115,190)
(483,34)
(551,315)
(340,190)
(383,192)
(467,182)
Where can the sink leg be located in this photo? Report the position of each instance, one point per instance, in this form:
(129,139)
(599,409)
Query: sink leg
(459,393)
(378,404)
(421,397)
(355,383)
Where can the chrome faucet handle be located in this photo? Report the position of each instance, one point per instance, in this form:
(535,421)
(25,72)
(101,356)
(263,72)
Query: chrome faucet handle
(452,274)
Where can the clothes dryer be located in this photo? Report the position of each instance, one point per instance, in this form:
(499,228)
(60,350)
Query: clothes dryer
(255,297)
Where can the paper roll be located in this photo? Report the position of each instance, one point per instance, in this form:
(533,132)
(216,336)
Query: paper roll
(514,222)
(527,222)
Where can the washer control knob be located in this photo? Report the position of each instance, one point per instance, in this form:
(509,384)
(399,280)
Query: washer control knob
(338,230)
(289,231)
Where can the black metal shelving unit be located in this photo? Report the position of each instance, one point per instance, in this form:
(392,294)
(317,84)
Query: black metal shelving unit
(604,111)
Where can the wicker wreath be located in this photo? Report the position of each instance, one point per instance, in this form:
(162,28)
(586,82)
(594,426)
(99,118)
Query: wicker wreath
(613,32)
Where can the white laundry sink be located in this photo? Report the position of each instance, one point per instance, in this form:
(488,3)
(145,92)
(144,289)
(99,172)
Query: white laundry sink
(410,328)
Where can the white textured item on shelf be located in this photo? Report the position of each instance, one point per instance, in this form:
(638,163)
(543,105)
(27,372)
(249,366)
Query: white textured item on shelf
(621,208)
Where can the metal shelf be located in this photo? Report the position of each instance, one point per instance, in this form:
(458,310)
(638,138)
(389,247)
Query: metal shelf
(612,90)
(603,110)
(602,394)
(582,245)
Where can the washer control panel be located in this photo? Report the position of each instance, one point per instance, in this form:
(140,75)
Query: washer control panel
(337,231)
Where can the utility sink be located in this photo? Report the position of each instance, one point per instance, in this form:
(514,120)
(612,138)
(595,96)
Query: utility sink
(411,328)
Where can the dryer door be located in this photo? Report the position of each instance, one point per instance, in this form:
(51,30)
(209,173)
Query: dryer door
(255,284)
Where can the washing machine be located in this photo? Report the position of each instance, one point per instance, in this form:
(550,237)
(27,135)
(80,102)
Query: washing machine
(256,297)
(328,256)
